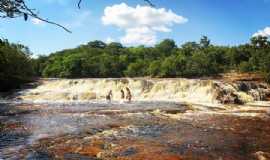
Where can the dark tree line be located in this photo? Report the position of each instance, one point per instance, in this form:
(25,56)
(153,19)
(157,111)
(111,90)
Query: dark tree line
(15,65)
(192,59)
(166,59)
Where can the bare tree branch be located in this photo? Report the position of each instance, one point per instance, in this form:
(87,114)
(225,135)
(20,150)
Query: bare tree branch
(150,3)
(18,8)
(34,15)
(79,4)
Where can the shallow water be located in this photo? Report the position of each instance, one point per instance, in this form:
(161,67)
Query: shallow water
(137,130)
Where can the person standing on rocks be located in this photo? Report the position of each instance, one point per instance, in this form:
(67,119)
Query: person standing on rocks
(128,96)
(109,96)
(122,94)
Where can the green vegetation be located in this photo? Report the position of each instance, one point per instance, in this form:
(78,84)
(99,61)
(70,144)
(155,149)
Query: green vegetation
(192,59)
(15,65)
(98,59)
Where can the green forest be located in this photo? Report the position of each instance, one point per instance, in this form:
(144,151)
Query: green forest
(15,65)
(166,59)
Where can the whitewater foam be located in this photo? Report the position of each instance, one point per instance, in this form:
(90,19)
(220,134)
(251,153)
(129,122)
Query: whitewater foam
(206,92)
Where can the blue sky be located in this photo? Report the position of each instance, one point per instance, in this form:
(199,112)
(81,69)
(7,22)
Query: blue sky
(225,22)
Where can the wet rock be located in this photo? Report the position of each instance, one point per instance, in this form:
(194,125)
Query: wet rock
(262,155)
(243,87)
(93,149)
(176,111)
(128,152)
(39,155)
(240,92)
(74,156)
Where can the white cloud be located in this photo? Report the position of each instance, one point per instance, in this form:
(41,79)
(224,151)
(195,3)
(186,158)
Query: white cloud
(140,35)
(141,23)
(36,21)
(265,32)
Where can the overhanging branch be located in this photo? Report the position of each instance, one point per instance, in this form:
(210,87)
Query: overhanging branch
(18,8)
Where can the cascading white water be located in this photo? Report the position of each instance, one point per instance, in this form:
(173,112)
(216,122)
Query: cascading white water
(142,89)
(184,90)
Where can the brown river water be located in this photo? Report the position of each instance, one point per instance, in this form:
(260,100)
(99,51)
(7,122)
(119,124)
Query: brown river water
(56,121)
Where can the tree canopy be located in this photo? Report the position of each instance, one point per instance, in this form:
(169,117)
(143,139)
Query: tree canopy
(97,59)
(15,65)
(192,59)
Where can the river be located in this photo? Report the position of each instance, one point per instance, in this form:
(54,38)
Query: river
(170,119)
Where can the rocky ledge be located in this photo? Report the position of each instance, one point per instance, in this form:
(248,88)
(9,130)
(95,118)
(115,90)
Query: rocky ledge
(241,92)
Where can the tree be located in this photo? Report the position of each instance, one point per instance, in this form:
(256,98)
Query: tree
(259,42)
(168,67)
(72,66)
(97,59)
(189,47)
(97,44)
(115,45)
(154,68)
(15,65)
(114,48)
(39,65)
(204,42)
(166,46)
(136,69)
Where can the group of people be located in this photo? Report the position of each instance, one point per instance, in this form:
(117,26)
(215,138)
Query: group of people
(126,96)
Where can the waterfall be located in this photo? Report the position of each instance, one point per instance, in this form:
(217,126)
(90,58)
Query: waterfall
(142,89)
